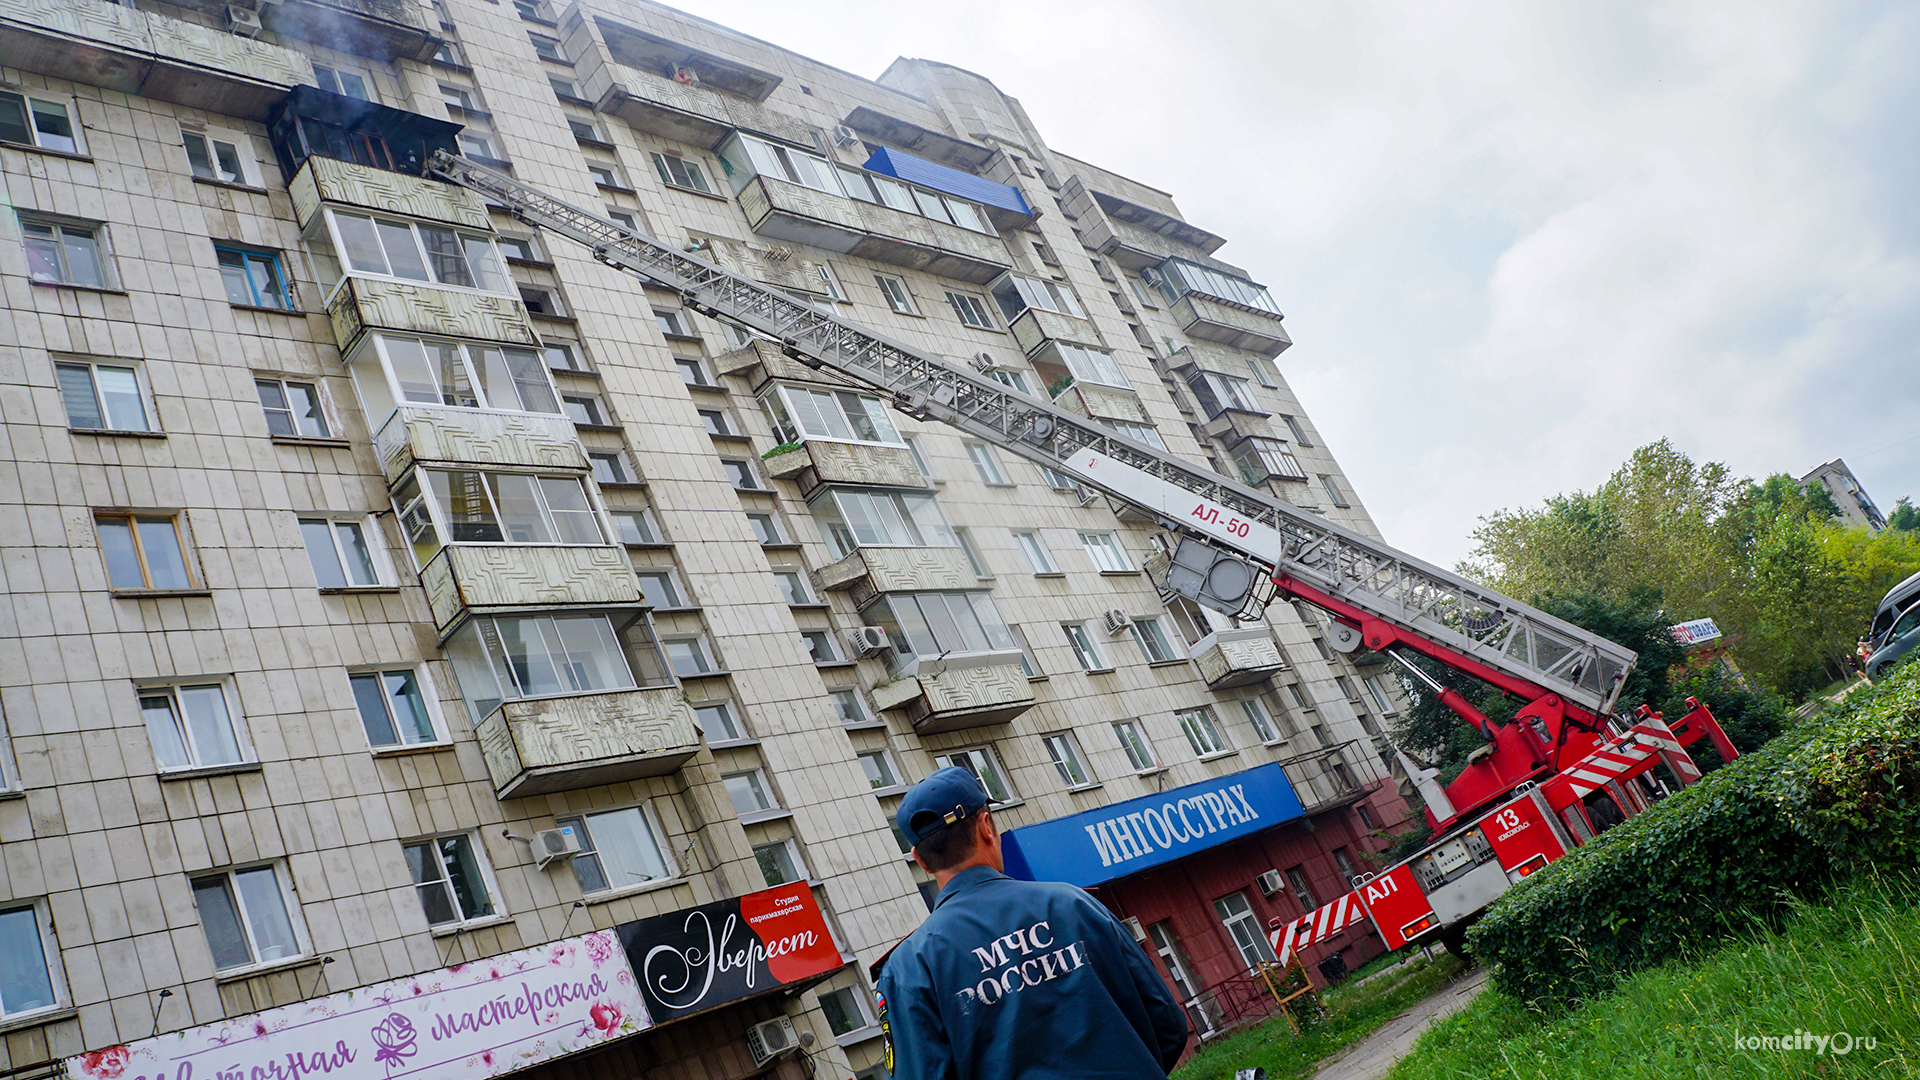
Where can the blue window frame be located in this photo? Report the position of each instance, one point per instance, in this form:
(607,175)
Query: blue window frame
(253,279)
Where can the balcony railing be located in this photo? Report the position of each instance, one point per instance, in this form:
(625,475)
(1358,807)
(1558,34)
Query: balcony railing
(544,745)
(1330,776)
(331,180)
(491,578)
(825,461)
(444,435)
(680,112)
(788,211)
(1230,658)
(870,571)
(361,304)
(967,691)
(387,29)
(1211,319)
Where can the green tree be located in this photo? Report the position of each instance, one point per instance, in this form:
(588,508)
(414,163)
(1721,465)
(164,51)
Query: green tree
(1904,517)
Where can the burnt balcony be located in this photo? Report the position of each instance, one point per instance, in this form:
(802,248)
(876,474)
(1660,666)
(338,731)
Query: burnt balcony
(959,692)
(384,29)
(787,211)
(1230,658)
(1211,319)
(346,183)
(468,579)
(824,461)
(545,745)
(148,55)
(870,571)
(444,435)
(361,304)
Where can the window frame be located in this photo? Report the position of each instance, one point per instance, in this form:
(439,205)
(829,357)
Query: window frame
(381,226)
(470,360)
(986,465)
(1162,652)
(773,535)
(1246,920)
(826,637)
(1034,550)
(1064,750)
(29,123)
(1261,719)
(470,655)
(965,756)
(700,651)
(546,48)
(59,245)
(324,72)
(885,610)
(1219,393)
(243,915)
(318,398)
(890,768)
(617,467)
(1272,458)
(369,532)
(736,727)
(791,848)
(696,177)
(183,727)
(282,284)
(898,296)
(1085,650)
(899,518)
(590,848)
(972,310)
(668,578)
(57,989)
(438,734)
(1204,735)
(496,904)
(1334,491)
(867,1028)
(743,478)
(790,407)
(210,141)
(135,369)
(756,784)
(1104,551)
(1138,746)
(182,539)
(646,527)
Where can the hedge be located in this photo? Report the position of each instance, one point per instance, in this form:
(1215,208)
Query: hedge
(1827,797)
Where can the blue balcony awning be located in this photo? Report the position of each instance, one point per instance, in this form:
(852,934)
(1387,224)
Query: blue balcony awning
(990,193)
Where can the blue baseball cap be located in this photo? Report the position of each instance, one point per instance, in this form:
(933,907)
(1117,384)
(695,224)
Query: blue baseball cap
(944,797)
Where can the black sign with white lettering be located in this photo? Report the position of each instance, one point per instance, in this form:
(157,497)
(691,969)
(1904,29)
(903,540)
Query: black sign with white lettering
(705,957)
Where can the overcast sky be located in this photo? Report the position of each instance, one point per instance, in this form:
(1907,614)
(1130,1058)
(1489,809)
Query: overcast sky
(1513,242)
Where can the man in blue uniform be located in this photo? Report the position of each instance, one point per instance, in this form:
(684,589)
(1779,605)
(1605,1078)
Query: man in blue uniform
(1014,980)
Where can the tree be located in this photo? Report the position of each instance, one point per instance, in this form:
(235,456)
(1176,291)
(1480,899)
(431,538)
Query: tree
(1904,517)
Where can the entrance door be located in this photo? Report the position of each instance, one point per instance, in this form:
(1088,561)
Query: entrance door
(1199,1013)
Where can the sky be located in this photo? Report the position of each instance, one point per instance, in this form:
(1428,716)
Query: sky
(1514,242)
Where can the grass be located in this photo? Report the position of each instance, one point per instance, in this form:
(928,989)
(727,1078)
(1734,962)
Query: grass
(1850,964)
(1354,1012)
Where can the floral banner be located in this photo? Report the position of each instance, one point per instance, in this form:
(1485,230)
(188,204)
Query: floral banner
(463,1022)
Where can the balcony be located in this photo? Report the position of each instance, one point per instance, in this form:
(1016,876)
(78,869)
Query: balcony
(1136,247)
(137,53)
(1156,220)
(385,29)
(561,744)
(490,578)
(802,215)
(1233,427)
(964,692)
(771,362)
(1242,327)
(1325,778)
(683,113)
(440,435)
(874,570)
(1005,206)
(1099,402)
(330,180)
(1230,658)
(823,461)
(362,304)
(924,141)
(1034,327)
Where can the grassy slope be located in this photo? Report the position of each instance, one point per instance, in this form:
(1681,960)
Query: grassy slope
(1849,965)
(1354,1013)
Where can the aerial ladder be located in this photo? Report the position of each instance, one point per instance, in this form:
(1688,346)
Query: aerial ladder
(1233,548)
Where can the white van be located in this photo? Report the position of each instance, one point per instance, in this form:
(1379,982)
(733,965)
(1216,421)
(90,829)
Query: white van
(1892,606)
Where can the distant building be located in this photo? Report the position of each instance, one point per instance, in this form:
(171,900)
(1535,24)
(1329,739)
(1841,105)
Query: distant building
(1856,508)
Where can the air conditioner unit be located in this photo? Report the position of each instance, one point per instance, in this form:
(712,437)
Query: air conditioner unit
(1116,621)
(1151,277)
(1086,495)
(552,844)
(771,1039)
(844,135)
(1270,883)
(242,21)
(867,640)
(1133,924)
(984,362)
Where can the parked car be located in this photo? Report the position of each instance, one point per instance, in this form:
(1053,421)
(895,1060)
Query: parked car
(1900,640)
(1898,600)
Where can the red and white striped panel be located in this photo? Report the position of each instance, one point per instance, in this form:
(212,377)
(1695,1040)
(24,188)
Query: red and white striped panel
(1642,741)
(1317,925)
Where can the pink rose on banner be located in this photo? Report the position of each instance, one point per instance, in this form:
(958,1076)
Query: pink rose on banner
(107,1064)
(598,949)
(561,954)
(605,1017)
(394,1039)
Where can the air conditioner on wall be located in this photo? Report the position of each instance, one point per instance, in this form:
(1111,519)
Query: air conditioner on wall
(845,135)
(552,844)
(1133,926)
(1270,883)
(771,1039)
(243,21)
(867,640)
(984,362)
(1115,620)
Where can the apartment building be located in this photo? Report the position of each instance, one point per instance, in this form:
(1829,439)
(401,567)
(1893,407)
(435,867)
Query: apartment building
(431,651)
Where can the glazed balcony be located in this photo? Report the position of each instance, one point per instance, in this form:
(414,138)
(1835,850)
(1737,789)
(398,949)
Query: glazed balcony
(959,692)
(870,571)
(1230,658)
(787,211)
(1099,402)
(546,745)
(467,579)
(360,304)
(331,180)
(147,55)
(824,461)
(385,29)
(1211,319)
(1233,427)
(443,435)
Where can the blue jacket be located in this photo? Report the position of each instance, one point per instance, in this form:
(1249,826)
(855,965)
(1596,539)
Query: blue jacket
(1018,980)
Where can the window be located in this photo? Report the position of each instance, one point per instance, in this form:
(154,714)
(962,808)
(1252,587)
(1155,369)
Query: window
(9,781)
(453,881)
(32,121)
(657,589)
(1366,818)
(1152,640)
(521,248)
(102,397)
(546,48)
(1334,494)
(1134,742)
(848,706)
(1299,436)
(1055,479)
(974,560)
(292,409)
(691,371)
(1066,759)
(1178,277)
(1262,723)
(1297,877)
(743,157)
(972,310)
(393,709)
(584,130)
(1193,621)
(64,253)
(845,1011)
(895,290)
(502,657)
(1378,691)
(981,762)
(1320,735)
(604,176)
(1217,393)
(635,526)
(416,251)
(618,849)
(740,474)
(748,790)
(1145,433)
(253,279)
(609,467)
(1201,732)
(887,191)
(1035,552)
(191,726)
(931,623)
(1259,458)
(919,458)
(778,863)
(1028,665)
(765,528)
(1012,380)
(1105,552)
(717,722)
(563,88)
(1264,372)
(1016,293)
(455,97)
(1082,645)
(339,80)
(144,551)
(801,412)
(583,409)
(470,376)
(1299,698)
(820,646)
(688,655)
(1082,362)
(878,765)
(26,976)
(715,421)
(1344,861)
(209,158)
(985,463)
(448,53)
(849,519)
(793,586)
(1141,294)
(681,173)
(245,916)
(339,552)
(1244,927)
(533,9)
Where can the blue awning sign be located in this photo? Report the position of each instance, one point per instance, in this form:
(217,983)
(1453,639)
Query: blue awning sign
(904,166)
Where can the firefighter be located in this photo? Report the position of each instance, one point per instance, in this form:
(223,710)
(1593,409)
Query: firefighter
(1011,978)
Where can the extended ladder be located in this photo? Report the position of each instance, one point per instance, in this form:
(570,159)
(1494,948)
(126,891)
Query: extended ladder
(1389,585)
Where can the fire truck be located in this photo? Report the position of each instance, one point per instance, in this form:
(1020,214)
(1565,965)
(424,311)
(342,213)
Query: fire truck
(1531,793)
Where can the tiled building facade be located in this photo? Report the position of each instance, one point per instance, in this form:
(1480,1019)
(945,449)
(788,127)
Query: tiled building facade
(322,483)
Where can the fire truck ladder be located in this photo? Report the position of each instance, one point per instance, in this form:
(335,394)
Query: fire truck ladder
(1515,640)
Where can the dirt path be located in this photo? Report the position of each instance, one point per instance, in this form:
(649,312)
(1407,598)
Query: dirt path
(1371,1057)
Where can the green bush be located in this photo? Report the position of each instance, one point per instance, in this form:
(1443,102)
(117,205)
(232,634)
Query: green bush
(1829,796)
(1749,714)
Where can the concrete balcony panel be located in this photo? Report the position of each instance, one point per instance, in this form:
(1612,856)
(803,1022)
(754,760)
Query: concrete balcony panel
(385,29)
(363,304)
(802,215)
(1138,248)
(442,435)
(1035,327)
(1230,658)
(489,578)
(965,692)
(1234,427)
(1110,403)
(874,570)
(1137,208)
(919,139)
(1231,324)
(689,114)
(330,180)
(147,55)
(822,461)
(560,744)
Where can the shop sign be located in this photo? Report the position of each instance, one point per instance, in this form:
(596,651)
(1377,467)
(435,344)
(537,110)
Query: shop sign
(701,958)
(1127,837)
(464,1022)
(1696,631)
